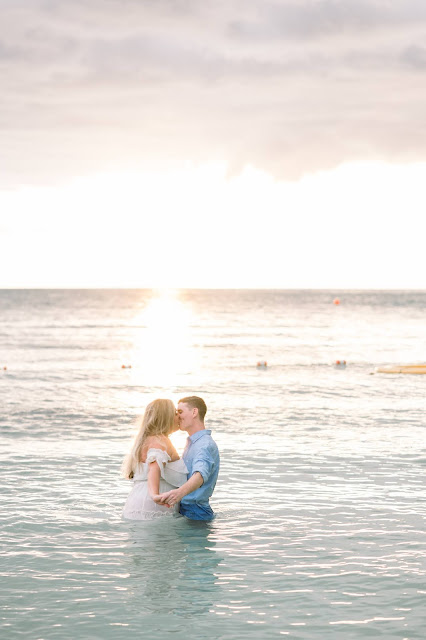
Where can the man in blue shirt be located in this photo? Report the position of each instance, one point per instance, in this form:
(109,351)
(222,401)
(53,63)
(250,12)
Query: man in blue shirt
(201,457)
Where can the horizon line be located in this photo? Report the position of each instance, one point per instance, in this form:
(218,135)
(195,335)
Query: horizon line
(163,288)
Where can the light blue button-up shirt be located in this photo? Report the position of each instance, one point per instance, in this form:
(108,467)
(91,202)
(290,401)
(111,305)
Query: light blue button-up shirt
(201,454)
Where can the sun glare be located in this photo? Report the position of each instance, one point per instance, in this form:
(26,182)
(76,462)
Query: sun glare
(199,227)
(161,351)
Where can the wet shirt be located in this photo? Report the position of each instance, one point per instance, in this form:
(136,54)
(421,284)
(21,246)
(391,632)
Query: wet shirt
(201,454)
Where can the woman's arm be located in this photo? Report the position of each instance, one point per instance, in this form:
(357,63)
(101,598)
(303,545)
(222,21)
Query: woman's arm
(154,479)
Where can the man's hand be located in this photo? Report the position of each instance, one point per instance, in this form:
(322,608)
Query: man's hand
(158,499)
(170,498)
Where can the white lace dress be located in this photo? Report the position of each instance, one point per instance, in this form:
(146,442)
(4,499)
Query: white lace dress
(139,505)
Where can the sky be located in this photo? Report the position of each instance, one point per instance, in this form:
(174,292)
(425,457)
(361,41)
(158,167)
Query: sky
(247,143)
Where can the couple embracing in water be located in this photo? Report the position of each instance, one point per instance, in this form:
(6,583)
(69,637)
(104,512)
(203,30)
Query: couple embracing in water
(164,483)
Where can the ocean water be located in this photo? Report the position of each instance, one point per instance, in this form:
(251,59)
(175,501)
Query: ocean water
(321,499)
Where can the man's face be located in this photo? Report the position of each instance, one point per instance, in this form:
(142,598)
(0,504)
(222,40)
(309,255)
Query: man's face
(185,415)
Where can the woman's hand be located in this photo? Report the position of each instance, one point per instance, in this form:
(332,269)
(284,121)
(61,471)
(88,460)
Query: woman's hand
(158,498)
(168,499)
(171,497)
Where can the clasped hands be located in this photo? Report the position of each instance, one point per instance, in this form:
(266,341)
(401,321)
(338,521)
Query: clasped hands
(168,499)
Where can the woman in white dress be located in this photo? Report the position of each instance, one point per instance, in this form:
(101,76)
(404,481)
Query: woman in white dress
(153,463)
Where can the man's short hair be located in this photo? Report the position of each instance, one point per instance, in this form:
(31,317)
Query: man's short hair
(196,403)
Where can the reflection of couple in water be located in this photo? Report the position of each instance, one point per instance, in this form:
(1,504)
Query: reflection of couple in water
(164,483)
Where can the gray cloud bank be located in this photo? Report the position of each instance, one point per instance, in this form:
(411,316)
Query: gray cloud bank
(287,86)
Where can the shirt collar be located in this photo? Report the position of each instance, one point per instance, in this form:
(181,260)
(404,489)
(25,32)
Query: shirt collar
(199,434)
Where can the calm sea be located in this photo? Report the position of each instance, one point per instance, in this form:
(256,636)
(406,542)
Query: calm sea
(321,499)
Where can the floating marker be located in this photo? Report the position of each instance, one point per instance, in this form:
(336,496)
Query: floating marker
(336,301)
(262,364)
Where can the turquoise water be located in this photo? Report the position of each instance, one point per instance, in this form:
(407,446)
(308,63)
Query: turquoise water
(321,500)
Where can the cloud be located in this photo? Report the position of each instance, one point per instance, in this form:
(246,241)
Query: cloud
(301,19)
(289,87)
(415,57)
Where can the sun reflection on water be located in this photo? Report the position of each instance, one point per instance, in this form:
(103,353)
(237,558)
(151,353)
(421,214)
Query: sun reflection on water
(162,352)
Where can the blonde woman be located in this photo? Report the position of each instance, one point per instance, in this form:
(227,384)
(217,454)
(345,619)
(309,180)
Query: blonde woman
(153,463)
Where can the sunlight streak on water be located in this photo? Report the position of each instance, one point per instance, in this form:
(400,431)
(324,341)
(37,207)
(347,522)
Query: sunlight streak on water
(162,347)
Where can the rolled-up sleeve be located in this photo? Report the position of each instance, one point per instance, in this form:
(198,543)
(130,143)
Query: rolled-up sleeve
(203,463)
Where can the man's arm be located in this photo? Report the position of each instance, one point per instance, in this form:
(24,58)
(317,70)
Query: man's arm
(171,497)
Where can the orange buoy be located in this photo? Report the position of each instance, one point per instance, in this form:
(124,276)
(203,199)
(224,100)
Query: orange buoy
(341,363)
(336,301)
(126,366)
(4,368)
(262,364)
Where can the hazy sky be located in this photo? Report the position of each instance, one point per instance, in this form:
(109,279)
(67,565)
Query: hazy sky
(209,143)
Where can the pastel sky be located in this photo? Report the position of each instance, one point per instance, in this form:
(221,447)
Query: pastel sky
(200,143)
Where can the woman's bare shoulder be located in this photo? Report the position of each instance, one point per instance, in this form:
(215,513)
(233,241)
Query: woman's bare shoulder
(155,442)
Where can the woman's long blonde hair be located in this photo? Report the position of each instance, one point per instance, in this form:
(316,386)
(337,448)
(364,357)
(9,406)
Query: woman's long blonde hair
(158,419)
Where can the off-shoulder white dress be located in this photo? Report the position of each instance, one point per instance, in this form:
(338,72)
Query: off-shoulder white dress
(139,505)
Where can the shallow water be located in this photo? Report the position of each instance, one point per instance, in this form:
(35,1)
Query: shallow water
(321,500)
